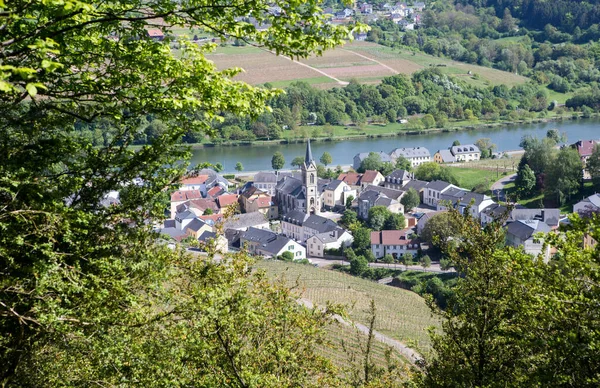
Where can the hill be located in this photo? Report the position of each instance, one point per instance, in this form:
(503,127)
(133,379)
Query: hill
(367,62)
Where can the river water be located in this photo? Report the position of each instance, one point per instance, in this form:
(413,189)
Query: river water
(257,158)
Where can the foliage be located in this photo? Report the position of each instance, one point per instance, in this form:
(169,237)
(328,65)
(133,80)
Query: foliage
(277,161)
(358,265)
(286,256)
(381,218)
(239,167)
(525,180)
(431,171)
(486,147)
(410,200)
(394,221)
(362,239)
(349,201)
(440,230)
(593,166)
(326,158)
(403,164)
(208,212)
(349,217)
(564,176)
(298,161)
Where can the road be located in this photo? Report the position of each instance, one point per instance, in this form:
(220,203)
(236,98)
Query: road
(498,187)
(435,268)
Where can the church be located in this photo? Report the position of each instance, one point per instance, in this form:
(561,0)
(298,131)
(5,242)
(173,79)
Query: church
(303,193)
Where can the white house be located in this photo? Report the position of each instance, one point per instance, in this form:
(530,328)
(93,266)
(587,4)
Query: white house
(416,155)
(466,153)
(336,193)
(433,191)
(394,242)
(319,243)
(266,243)
(588,205)
(524,233)
(463,199)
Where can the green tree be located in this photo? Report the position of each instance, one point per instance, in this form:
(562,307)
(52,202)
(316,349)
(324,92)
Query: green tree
(349,201)
(377,217)
(403,164)
(408,258)
(410,199)
(486,147)
(286,256)
(277,161)
(239,167)
(298,161)
(349,217)
(218,167)
(394,222)
(440,230)
(362,239)
(425,261)
(525,181)
(326,158)
(431,171)
(86,303)
(564,176)
(358,265)
(455,143)
(556,136)
(388,259)
(208,212)
(371,162)
(593,166)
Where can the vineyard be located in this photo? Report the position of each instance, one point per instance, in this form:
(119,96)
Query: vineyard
(401,314)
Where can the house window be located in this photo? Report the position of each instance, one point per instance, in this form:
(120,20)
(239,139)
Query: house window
(290,247)
(318,247)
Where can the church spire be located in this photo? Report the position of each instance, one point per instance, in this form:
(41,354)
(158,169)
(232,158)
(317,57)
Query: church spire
(308,159)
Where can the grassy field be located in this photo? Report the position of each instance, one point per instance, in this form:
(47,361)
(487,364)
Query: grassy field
(401,314)
(484,171)
(537,199)
(367,62)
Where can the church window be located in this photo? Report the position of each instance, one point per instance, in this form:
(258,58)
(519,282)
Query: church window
(312,179)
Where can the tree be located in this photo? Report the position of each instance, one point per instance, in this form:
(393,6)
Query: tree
(431,171)
(564,176)
(455,143)
(556,136)
(525,181)
(218,167)
(407,258)
(388,259)
(208,212)
(440,230)
(410,199)
(425,261)
(326,158)
(349,201)
(371,162)
(403,164)
(362,239)
(287,256)
(277,161)
(486,147)
(593,166)
(349,217)
(298,161)
(377,217)
(358,265)
(84,287)
(394,222)
(239,167)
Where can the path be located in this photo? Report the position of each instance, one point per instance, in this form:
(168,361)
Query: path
(498,186)
(343,83)
(407,352)
(373,60)
(435,268)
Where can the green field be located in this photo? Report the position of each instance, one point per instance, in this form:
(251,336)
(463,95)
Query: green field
(401,314)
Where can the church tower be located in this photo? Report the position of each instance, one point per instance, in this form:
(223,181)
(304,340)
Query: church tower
(309,180)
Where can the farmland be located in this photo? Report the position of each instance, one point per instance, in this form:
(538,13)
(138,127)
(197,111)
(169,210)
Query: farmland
(364,61)
(401,314)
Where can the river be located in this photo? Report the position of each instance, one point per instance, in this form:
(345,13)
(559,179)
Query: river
(257,158)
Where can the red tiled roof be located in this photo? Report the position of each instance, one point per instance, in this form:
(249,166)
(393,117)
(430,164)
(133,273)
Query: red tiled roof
(351,178)
(264,202)
(226,200)
(213,217)
(585,147)
(185,195)
(392,237)
(195,180)
(369,176)
(155,32)
(204,203)
(215,191)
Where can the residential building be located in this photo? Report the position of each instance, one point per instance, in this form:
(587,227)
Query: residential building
(588,205)
(352,179)
(390,193)
(245,221)
(291,224)
(336,193)
(266,243)
(183,219)
(169,229)
(433,191)
(219,241)
(394,242)
(316,224)
(585,148)
(425,219)
(215,192)
(226,200)
(317,245)
(250,194)
(444,156)
(205,179)
(371,177)
(196,227)
(266,181)
(524,233)
(358,158)
(463,200)
(265,205)
(494,212)
(180,196)
(198,206)
(418,185)
(397,179)
(155,34)
(416,155)
(369,198)
(466,153)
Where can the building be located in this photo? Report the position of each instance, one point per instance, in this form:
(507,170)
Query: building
(336,193)
(444,156)
(584,148)
(301,226)
(418,185)
(266,243)
(416,155)
(425,219)
(183,219)
(390,193)
(303,193)
(226,200)
(266,181)
(352,179)
(433,191)
(493,212)
(155,34)
(318,244)
(588,205)
(394,242)
(463,200)
(466,153)
(180,196)
(198,206)
(358,158)
(219,241)
(196,227)
(369,198)
(249,195)
(265,205)
(245,221)
(371,177)
(397,179)
(524,233)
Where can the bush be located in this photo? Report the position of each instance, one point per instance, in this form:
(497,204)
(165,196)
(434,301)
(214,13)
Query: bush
(286,256)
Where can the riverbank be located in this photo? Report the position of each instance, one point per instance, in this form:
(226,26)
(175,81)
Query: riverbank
(393,131)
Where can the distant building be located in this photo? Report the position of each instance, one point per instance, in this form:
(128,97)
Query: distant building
(371,177)
(397,179)
(524,233)
(433,191)
(425,219)
(463,199)
(245,221)
(301,226)
(358,158)
(155,34)
(336,193)
(266,243)
(266,181)
(338,238)
(352,179)
(369,198)
(416,155)
(585,148)
(466,153)
(444,156)
(394,242)
(588,205)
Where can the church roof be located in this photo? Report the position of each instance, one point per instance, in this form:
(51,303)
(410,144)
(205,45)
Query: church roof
(308,159)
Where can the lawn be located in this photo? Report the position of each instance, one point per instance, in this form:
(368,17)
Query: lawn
(536,200)
(468,178)
(401,314)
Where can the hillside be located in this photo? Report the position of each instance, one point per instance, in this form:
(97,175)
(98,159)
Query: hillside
(401,314)
(364,61)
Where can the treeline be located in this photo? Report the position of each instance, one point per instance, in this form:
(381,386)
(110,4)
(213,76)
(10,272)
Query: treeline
(435,97)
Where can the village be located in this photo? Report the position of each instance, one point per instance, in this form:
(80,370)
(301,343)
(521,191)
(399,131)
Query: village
(297,215)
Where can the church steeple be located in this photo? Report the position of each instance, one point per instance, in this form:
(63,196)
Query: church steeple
(308,159)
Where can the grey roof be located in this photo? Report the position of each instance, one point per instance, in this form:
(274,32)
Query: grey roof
(258,235)
(233,237)
(308,158)
(438,185)
(320,224)
(399,174)
(447,156)
(205,236)
(470,195)
(594,199)
(524,229)
(171,232)
(242,221)
(464,149)
(390,193)
(184,215)
(385,201)
(290,186)
(549,216)
(275,246)
(169,224)
(384,157)
(415,184)
(196,224)
(495,210)
(265,177)
(453,194)
(296,217)
(369,195)
(334,184)
(412,152)
(331,236)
